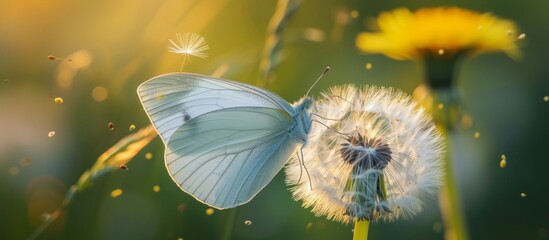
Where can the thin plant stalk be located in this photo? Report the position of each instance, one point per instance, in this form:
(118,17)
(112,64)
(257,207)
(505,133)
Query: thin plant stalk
(360,231)
(111,160)
(441,78)
(273,41)
(230,224)
(450,204)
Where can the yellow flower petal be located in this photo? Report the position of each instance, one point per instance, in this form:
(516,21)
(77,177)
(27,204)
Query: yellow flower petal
(410,35)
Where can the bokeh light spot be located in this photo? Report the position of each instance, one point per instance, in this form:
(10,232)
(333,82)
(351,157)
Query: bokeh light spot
(116,193)
(100,93)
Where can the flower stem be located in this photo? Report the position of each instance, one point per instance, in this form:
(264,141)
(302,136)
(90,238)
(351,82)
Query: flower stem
(230,223)
(450,205)
(361,230)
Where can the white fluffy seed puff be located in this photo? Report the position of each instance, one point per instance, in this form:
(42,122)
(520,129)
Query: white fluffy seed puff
(373,153)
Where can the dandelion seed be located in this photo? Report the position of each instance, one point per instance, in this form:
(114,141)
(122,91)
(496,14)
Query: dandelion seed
(58,100)
(156,188)
(124,167)
(378,157)
(503,161)
(523,195)
(546,98)
(477,135)
(209,211)
(248,222)
(522,36)
(189,44)
(110,126)
(148,156)
(132,127)
(51,134)
(116,193)
(368,66)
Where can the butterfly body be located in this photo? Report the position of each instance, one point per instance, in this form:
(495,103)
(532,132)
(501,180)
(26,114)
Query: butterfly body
(225,141)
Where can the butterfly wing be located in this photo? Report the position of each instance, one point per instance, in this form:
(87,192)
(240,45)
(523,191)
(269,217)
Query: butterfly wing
(172,99)
(225,157)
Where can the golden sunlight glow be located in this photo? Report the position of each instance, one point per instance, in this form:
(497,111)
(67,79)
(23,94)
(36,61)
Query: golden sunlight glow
(406,35)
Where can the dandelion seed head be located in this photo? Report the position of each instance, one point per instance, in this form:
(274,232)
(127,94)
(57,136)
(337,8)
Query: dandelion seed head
(379,159)
(190,44)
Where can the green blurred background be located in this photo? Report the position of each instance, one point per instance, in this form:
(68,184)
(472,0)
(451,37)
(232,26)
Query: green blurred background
(116,45)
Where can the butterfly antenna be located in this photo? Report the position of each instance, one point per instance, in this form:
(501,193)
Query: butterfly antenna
(318,79)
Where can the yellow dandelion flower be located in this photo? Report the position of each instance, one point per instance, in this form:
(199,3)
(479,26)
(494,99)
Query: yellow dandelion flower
(410,35)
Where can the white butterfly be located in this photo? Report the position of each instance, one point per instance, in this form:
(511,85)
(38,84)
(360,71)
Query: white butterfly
(225,140)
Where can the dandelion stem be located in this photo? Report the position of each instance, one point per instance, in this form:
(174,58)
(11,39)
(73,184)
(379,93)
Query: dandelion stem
(230,224)
(452,212)
(361,230)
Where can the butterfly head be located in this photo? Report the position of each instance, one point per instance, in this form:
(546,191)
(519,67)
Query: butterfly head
(307,103)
